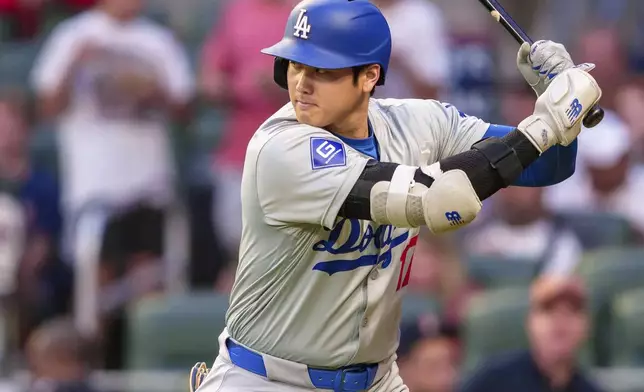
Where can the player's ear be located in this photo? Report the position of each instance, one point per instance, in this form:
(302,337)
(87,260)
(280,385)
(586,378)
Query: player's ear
(372,74)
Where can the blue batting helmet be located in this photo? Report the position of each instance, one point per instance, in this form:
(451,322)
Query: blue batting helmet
(333,34)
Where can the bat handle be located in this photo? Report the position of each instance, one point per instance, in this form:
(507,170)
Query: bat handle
(594,116)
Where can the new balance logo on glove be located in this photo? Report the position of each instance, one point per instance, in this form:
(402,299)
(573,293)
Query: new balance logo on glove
(454,218)
(574,110)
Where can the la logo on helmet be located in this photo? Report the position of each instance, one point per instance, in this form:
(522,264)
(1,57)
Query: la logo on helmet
(302,27)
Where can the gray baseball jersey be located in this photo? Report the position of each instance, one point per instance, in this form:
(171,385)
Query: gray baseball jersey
(313,287)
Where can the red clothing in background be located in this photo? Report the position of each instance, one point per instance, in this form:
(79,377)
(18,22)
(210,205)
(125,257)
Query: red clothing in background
(246,27)
(25,19)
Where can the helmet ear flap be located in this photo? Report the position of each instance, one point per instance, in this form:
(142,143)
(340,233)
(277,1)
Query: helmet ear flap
(280,66)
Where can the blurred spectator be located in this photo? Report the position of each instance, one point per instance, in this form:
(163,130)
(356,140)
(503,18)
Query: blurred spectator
(59,359)
(113,81)
(427,356)
(236,76)
(629,102)
(419,66)
(522,229)
(30,224)
(21,19)
(603,47)
(557,326)
(438,271)
(606,179)
(517,102)
(78,5)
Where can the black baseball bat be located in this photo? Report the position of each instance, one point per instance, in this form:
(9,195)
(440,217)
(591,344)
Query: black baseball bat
(596,114)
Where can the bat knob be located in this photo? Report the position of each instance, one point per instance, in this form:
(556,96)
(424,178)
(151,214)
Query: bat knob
(595,116)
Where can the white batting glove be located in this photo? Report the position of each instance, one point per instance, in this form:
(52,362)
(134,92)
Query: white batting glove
(559,111)
(541,62)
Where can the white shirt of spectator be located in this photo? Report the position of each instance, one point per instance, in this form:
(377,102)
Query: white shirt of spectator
(110,155)
(419,38)
(528,242)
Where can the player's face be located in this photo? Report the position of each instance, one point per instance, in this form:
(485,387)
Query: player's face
(326,98)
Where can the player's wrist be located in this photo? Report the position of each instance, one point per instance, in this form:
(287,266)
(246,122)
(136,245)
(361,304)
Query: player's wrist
(539,132)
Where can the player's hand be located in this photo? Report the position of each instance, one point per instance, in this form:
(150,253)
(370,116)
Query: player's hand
(559,111)
(543,61)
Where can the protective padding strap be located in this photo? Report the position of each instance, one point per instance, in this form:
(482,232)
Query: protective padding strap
(397,195)
(502,158)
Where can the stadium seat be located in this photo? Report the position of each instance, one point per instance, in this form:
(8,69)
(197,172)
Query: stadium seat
(208,128)
(416,305)
(493,272)
(609,272)
(5,27)
(44,148)
(190,19)
(16,61)
(207,14)
(494,323)
(596,230)
(627,333)
(172,333)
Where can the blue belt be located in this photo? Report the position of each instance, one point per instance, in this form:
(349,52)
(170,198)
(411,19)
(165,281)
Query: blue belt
(347,379)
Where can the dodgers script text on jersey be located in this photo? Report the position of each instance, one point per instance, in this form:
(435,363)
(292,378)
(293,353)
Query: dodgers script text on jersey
(373,244)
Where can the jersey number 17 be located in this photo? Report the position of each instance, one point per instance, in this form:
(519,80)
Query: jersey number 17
(405,268)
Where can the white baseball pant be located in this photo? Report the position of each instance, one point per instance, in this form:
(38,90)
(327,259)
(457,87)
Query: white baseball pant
(227,377)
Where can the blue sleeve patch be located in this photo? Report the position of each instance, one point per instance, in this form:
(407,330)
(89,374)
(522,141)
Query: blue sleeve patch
(327,153)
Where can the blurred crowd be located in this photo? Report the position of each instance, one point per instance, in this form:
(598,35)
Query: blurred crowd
(124,123)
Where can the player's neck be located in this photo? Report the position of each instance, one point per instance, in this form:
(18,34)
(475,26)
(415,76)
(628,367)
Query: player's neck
(355,125)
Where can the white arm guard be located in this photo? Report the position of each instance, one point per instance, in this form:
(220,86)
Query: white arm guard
(560,109)
(450,203)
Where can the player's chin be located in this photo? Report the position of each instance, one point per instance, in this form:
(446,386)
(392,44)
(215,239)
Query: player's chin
(309,117)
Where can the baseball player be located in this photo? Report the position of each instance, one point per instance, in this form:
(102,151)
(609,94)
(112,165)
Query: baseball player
(336,185)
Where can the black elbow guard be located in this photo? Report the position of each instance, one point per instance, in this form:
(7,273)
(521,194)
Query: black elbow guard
(494,163)
(502,158)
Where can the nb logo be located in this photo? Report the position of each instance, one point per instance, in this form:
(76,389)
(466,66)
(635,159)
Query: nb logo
(574,110)
(302,27)
(454,218)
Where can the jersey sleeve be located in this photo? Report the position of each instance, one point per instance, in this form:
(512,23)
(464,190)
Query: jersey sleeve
(304,176)
(458,131)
